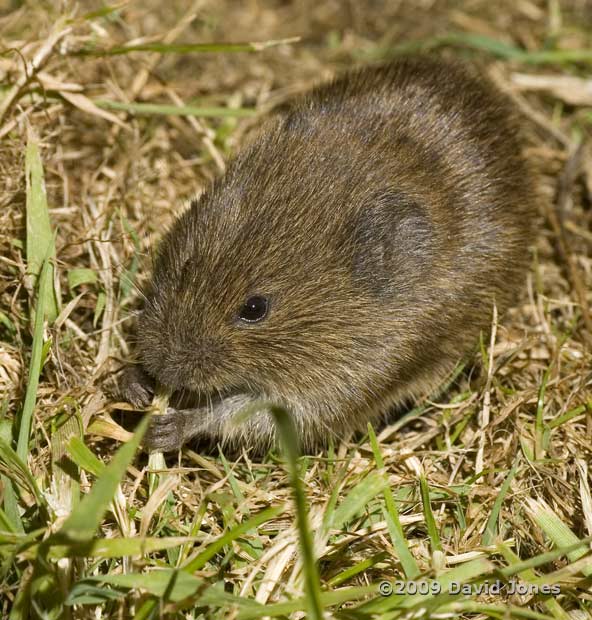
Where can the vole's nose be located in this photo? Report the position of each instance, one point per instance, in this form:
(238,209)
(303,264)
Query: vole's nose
(189,362)
(172,376)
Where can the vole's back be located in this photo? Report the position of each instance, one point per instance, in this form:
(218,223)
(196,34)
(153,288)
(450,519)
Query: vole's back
(381,217)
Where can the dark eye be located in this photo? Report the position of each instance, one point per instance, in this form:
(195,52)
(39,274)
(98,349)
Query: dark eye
(254,309)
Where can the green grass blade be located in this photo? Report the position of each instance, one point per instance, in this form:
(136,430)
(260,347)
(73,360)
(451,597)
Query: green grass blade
(172,584)
(79,276)
(216,597)
(117,547)
(568,415)
(17,471)
(83,457)
(579,548)
(175,110)
(212,549)
(85,593)
(64,474)
(8,524)
(240,498)
(529,576)
(429,515)
(555,529)
(103,11)
(40,242)
(328,599)
(491,527)
(87,516)
(7,323)
(539,425)
(357,568)
(367,489)
(498,48)
(462,574)
(457,609)
(287,434)
(26,417)
(187,48)
(129,275)
(12,516)
(489,45)
(567,56)
(410,567)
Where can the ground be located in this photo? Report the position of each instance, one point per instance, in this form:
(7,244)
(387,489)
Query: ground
(487,480)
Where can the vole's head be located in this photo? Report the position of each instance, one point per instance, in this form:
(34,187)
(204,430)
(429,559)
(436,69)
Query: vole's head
(281,286)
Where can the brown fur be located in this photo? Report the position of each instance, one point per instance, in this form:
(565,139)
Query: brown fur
(383,214)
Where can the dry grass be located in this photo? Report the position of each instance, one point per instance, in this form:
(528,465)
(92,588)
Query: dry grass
(114,180)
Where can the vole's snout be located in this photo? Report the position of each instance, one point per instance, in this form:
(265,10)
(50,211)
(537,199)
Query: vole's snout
(190,363)
(171,376)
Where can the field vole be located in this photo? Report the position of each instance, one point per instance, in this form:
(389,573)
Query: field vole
(345,263)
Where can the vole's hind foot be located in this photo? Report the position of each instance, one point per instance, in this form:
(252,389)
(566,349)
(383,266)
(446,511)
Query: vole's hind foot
(166,432)
(136,387)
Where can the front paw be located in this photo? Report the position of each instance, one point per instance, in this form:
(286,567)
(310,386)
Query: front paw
(166,432)
(136,387)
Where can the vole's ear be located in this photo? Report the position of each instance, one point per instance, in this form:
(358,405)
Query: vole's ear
(393,243)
